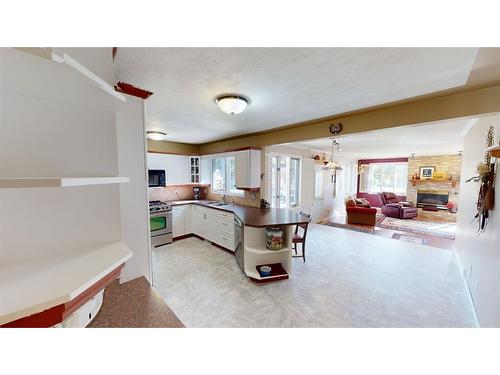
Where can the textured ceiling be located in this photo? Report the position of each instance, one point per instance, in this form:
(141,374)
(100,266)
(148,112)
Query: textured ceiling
(437,138)
(284,85)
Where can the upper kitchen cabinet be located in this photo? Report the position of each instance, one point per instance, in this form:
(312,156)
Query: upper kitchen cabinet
(178,169)
(247,169)
(176,166)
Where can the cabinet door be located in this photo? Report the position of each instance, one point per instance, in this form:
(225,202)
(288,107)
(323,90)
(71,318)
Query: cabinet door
(198,223)
(188,219)
(247,169)
(178,221)
(242,169)
(157,161)
(178,169)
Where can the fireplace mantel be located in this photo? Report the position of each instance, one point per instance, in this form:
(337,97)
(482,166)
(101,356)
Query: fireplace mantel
(453,182)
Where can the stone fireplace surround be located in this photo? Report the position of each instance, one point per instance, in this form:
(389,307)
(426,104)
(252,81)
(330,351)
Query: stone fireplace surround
(451,164)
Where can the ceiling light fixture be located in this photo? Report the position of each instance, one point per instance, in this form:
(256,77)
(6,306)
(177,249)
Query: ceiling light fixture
(156,135)
(332,164)
(232,104)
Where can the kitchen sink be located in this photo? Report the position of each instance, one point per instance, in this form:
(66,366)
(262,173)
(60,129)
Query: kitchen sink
(216,204)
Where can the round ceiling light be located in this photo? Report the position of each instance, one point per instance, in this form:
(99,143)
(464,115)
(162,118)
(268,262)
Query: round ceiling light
(232,104)
(156,135)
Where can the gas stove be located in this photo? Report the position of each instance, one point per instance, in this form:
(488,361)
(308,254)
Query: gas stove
(159,206)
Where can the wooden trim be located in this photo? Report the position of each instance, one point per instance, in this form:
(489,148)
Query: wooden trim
(59,313)
(184,236)
(233,150)
(129,89)
(361,162)
(222,248)
(174,153)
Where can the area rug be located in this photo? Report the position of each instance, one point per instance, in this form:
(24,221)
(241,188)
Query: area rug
(415,240)
(442,229)
(357,228)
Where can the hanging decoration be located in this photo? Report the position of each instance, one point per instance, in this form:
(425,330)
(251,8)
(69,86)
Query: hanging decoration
(333,166)
(486,178)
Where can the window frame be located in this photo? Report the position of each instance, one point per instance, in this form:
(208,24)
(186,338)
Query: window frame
(320,170)
(297,181)
(369,174)
(226,177)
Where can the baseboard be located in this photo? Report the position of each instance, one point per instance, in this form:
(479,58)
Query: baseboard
(467,288)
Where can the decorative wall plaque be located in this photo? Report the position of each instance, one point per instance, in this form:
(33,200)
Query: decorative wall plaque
(336,128)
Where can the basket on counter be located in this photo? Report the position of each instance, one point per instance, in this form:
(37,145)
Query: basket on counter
(275,238)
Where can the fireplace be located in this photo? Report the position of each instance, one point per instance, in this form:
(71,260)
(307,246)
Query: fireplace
(432,198)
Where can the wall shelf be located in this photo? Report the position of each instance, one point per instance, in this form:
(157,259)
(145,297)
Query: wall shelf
(47,53)
(494,151)
(35,285)
(42,182)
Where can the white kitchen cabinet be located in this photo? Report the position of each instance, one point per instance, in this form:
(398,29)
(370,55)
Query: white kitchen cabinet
(188,218)
(197,221)
(176,166)
(178,227)
(157,161)
(247,169)
(178,169)
(214,225)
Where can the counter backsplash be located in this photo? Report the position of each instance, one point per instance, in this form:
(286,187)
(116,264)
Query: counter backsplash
(168,193)
(250,199)
(185,192)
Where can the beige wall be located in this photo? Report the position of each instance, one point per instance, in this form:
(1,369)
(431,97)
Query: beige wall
(176,148)
(479,254)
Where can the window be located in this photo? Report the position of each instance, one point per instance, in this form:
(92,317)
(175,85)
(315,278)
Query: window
(224,176)
(293,192)
(318,183)
(283,183)
(349,179)
(379,177)
(219,174)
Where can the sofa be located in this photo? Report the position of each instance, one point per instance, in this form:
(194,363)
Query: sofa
(360,212)
(394,207)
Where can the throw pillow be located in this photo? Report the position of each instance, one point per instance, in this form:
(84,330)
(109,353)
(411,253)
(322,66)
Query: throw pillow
(350,202)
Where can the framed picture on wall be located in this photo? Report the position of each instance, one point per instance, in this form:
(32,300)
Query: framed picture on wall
(426,173)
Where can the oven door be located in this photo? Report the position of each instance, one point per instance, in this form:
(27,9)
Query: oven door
(160,224)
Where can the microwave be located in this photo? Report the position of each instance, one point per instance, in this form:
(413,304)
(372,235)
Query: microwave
(156,177)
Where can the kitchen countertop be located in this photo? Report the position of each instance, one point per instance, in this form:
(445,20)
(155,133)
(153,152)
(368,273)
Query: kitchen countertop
(253,216)
(134,304)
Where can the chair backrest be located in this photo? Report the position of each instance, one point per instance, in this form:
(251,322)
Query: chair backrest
(303,226)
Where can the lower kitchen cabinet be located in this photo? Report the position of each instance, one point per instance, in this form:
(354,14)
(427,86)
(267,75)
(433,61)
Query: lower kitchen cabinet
(214,225)
(178,225)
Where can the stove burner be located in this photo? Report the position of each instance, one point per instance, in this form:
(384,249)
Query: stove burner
(155,206)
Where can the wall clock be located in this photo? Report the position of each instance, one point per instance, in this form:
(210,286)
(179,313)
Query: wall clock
(336,128)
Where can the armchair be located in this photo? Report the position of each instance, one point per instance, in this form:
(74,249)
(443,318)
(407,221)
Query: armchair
(394,207)
(360,213)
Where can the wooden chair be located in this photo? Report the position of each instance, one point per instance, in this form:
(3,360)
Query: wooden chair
(297,238)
